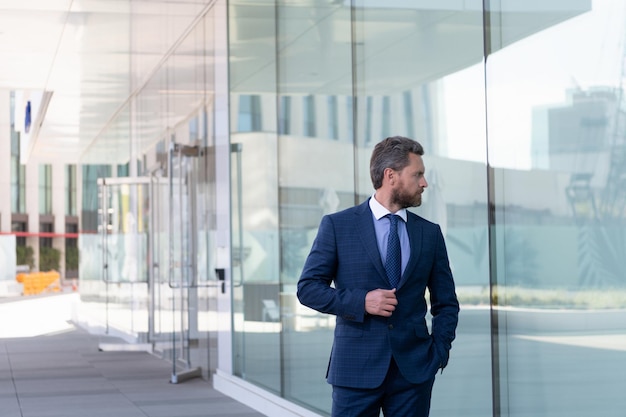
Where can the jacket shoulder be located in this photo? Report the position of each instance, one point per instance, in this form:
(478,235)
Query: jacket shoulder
(417,219)
(350,211)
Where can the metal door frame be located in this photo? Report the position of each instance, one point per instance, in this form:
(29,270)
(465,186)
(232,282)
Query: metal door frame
(188,278)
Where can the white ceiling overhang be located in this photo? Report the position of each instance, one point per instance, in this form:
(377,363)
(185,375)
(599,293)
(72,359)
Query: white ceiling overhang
(75,56)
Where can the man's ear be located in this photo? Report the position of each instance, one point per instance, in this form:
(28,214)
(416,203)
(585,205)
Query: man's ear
(390,175)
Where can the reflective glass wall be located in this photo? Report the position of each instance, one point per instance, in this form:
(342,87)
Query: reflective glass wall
(520,108)
(557,151)
(149,269)
(318,88)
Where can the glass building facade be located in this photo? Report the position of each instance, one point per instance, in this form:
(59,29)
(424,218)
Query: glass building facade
(262,116)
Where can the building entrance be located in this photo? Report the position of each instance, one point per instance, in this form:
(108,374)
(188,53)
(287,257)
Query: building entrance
(158,253)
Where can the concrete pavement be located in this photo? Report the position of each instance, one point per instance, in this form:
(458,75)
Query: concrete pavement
(50,368)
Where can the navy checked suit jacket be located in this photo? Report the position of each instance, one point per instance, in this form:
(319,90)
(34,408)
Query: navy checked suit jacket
(345,253)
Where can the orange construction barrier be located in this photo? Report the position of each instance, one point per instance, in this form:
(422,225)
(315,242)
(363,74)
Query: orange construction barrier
(39,282)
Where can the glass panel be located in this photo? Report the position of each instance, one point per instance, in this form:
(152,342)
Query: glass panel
(557,147)
(256,244)
(333,118)
(113,144)
(185,287)
(141,300)
(284,118)
(309,116)
(91,199)
(250,113)
(419,74)
(101,42)
(316,176)
(122,291)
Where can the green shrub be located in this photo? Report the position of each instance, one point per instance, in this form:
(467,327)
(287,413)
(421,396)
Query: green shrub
(24,256)
(49,259)
(71,259)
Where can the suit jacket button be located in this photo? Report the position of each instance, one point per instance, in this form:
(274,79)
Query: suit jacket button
(391,327)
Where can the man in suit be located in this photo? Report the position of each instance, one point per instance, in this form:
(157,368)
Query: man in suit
(383,355)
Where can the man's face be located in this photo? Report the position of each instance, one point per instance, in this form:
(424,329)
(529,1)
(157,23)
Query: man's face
(407,192)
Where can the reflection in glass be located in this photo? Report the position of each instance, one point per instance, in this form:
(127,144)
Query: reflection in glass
(161,287)
(333,122)
(257,306)
(532,135)
(284,118)
(249,113)
(559,209)
(309,116)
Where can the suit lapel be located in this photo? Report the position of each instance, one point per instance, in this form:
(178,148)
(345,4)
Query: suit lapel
(367,234)
(414,230)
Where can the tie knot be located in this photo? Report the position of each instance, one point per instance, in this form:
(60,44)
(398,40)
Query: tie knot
(393,218)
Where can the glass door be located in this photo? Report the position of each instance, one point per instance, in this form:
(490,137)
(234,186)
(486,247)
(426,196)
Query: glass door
(122,296)
(159,279)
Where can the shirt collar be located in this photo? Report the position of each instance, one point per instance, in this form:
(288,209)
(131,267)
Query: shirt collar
(380,211)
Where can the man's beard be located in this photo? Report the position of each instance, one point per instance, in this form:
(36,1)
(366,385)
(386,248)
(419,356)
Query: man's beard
(406,200)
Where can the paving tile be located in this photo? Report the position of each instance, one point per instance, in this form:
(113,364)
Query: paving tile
(65,375)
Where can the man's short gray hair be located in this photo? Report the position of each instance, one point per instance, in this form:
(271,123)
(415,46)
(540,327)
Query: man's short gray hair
(392,152)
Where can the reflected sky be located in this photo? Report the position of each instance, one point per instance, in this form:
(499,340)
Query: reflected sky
(537,71)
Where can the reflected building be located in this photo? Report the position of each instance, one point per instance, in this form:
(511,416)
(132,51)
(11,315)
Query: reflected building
(586,138)
(579,135)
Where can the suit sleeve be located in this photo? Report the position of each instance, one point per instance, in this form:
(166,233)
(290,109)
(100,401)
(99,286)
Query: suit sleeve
(320,271)
(443,300)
